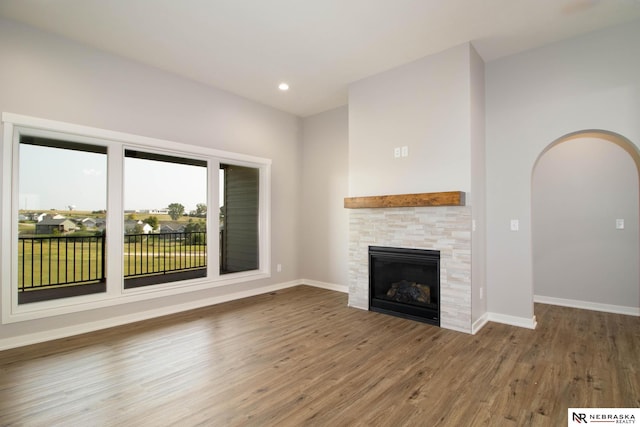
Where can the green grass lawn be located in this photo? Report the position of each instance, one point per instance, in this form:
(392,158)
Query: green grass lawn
(153,255)
(45,262)
(53,263)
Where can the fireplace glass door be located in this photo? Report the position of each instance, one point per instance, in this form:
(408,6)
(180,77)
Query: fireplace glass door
(405,282)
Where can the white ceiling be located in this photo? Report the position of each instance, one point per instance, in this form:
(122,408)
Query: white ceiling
(317,46)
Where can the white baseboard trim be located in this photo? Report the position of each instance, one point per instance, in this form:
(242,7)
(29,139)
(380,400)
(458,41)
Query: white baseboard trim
(478,324)
(521,322)
(325,285)
(49,335)
(588,305)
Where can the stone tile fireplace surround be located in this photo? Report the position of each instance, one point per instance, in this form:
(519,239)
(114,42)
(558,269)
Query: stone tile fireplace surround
(403,221)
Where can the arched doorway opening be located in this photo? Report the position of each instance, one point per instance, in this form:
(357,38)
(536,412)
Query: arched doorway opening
(585,223)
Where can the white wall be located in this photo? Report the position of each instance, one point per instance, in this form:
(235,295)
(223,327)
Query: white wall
(424,105)
(580,187)
(324,232)
(534,98)
(478,187)
(52,78)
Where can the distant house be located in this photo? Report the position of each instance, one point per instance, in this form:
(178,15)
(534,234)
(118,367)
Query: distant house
(131,225)
(43,216)
(165,228)
(101,224)
(93,223)
(59,225)
(172,227)
(90,222)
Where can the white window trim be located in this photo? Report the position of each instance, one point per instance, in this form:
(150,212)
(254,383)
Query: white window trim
(16,125)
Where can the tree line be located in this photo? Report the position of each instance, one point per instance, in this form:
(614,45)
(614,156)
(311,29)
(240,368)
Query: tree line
(176,210)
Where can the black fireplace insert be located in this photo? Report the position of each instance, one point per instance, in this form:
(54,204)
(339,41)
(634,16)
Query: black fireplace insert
(405,282)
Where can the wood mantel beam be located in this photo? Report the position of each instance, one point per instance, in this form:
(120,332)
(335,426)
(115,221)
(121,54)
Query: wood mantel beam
(447,198)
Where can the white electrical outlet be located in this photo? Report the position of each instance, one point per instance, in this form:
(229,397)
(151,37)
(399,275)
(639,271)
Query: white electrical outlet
(405,151)
(515,225)
(396,152)
(279,268)
(619,224)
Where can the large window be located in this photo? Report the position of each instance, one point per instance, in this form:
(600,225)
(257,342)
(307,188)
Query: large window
(93,218)
(61,219)
(165,217)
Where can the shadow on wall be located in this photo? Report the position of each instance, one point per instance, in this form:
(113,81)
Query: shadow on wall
(585,223)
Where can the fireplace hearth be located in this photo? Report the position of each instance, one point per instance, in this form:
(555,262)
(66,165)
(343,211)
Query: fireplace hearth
(405,282)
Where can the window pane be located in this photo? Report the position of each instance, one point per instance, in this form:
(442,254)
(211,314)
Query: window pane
(61,219)
(239,212)
(165,218)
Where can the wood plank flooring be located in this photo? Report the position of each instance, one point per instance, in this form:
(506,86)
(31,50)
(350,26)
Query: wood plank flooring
(302,357)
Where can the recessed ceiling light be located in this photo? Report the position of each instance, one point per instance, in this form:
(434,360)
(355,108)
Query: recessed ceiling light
(283,86)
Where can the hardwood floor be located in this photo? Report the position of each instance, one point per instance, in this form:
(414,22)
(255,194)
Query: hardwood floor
(302,357)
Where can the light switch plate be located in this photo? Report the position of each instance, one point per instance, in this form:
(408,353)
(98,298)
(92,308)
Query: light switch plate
(515,225)
(619,224)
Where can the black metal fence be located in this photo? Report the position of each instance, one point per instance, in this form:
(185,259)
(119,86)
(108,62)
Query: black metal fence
(57,262)
(146,254)
(44,262)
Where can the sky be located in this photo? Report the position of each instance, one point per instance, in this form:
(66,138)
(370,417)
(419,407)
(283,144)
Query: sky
(150,184)
(54,178)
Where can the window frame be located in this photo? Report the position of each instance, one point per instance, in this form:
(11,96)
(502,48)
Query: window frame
(210,196)
(116,143)
(15,188)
